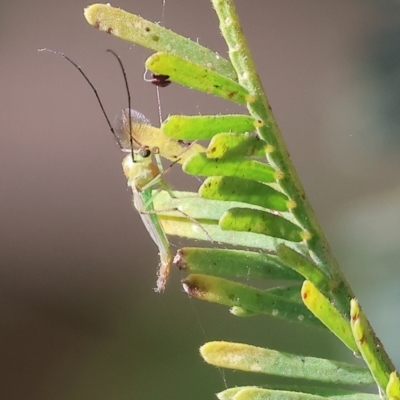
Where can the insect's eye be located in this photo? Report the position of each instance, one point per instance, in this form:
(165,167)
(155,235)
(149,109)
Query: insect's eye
(145,151)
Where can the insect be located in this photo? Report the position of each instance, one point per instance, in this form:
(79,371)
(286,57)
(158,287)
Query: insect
(141,172)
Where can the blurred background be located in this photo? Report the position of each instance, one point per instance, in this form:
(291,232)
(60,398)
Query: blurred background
(79,318)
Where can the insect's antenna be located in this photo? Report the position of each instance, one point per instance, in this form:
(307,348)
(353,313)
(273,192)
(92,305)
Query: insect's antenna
(131,140)
(162,22)
(93,88)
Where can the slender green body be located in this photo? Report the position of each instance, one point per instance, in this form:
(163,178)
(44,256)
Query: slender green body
(142,175)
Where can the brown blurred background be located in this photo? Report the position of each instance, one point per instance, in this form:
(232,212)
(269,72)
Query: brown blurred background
(79,318)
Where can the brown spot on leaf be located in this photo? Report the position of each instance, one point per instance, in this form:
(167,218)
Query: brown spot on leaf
(193,289)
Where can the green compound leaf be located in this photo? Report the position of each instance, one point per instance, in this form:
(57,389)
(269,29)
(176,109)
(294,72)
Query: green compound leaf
(260,222)
(200,164)
(233,263)
(232,294)
(197,77)
(203,127)
(121,24)
(137,30)
(324,310)
(365,341)
(304,266)
(230,188)
(256,359)
(233,145)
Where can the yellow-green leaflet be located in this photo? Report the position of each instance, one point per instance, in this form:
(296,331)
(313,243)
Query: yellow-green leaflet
(196,76)
(203,127)
(325,311)
(371,354)
(148,34)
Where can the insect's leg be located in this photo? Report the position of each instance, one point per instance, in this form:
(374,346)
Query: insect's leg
(163,271)
(176,209)
(159,162)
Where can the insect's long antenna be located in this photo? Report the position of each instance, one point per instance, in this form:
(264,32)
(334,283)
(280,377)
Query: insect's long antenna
(93,88)
(131,140)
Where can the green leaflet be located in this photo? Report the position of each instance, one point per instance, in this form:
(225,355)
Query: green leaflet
(244,357)
(233,145)
(291,293)
(261,222)
(233,263)
(196,76)
(205,215)
(324,310)
(200,164)
(302,393)
(331,393)
(203,127)
(229,394)
(232,294)
(185,228)
(192,204)
(229,188)
(304,266)
(371,354)
(393,387)
(269,394)
(137,30)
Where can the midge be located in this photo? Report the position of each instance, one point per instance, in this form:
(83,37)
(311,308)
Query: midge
(141,172)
